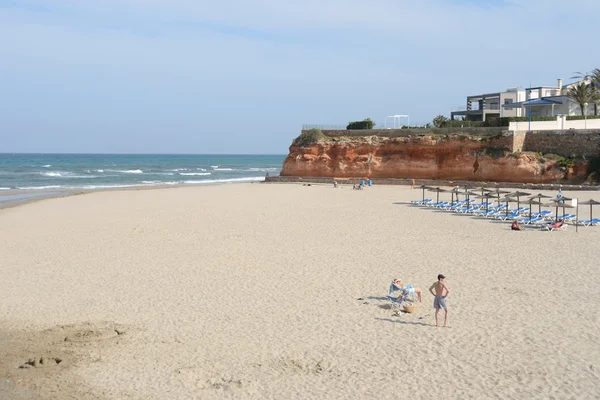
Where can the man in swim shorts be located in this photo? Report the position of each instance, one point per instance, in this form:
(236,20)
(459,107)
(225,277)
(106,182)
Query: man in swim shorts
(440,291)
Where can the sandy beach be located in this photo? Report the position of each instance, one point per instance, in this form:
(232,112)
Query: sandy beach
(277,291)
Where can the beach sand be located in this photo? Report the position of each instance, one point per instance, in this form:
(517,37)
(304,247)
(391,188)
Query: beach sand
(254,291)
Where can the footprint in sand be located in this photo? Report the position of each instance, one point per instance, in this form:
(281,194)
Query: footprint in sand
(39,362)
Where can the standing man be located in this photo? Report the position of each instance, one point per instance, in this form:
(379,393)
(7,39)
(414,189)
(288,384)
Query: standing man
(440,291)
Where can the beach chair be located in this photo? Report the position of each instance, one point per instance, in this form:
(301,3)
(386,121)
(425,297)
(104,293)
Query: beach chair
(396,301)
(556,227)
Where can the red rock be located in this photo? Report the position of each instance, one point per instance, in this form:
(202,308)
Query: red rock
(449,158)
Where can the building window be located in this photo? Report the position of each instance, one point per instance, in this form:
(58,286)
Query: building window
(508,101)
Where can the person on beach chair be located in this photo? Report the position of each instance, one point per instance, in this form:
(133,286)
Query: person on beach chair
(405,291)
(557,225)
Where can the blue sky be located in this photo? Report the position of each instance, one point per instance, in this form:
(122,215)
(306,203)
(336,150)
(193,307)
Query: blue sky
(232,76)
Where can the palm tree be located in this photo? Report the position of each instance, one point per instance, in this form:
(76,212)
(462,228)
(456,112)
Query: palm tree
(594,80)
(583,94)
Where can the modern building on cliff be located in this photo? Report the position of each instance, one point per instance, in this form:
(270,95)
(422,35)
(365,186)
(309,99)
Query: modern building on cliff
(481,107)
(552,101)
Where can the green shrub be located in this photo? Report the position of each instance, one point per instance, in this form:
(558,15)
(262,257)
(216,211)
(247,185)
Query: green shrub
(364,124)
(551,156)
(579,117)
(565,162)
(461,124)
(309,137)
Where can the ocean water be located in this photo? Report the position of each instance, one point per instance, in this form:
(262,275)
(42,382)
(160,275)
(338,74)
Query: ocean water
(104,171)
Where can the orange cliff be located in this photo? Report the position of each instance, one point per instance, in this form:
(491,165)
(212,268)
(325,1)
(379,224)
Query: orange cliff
(447,157)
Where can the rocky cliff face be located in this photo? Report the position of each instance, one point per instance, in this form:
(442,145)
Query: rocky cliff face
(449,157)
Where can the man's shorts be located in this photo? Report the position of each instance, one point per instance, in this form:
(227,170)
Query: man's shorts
(439,302)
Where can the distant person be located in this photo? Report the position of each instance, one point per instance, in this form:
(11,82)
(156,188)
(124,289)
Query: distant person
(412,183)
(557,225)
(559,195)
(335,184)
(440,291)
(516,227)
(370,182)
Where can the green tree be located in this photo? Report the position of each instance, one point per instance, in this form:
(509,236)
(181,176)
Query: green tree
(366,123)
(439,121)
(583,94)
(594,80)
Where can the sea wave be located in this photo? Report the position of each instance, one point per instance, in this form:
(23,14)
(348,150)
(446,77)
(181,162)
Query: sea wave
(40,187)
(260,169)
(46,166)
(4,188)
(200,169)
(223,169)
(129,171)
(214,166)
(194,173)
(99,170)
(52,174)
(66,175)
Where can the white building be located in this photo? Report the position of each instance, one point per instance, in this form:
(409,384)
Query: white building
(482,107)
(495,105)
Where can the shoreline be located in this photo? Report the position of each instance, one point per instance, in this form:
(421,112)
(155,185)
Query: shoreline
(34,195)
(21,197)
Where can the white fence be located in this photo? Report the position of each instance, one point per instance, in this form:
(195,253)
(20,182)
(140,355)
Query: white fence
(561,123)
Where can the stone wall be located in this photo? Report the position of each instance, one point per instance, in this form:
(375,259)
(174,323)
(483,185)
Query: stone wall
(567,143)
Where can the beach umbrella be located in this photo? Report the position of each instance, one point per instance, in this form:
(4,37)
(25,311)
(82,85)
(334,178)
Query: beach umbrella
(484,189)
(456,192)
(506,200)
(539,198)
(532,201)
(437,190)
(561,203)
(518,195)
(486,196)
(498,192)
(591,203)
(469,194)
(423,187)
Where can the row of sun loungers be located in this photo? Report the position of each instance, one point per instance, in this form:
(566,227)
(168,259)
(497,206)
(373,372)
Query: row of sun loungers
(503,213)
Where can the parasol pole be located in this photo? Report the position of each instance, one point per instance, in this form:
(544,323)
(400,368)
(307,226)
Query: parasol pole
(577,215)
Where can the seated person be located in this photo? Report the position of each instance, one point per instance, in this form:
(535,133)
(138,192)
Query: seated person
(516,227)
(558,224)
(408,290)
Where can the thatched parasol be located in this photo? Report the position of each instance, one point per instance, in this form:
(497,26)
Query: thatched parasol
(438,191)
(518,195)
(540,196)
(591,203)
(423,187)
